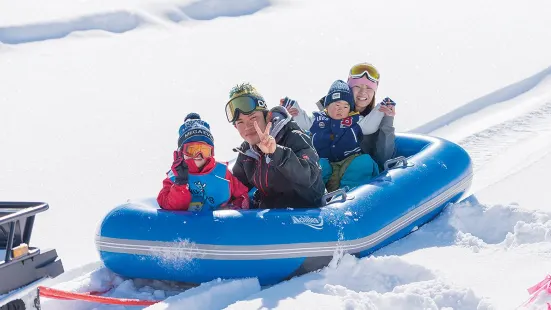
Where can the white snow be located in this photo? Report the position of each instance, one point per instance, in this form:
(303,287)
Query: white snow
(212,295)
(92,94)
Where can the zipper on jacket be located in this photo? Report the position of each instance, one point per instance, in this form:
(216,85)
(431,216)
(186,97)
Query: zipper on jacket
(266,175)
(259,176)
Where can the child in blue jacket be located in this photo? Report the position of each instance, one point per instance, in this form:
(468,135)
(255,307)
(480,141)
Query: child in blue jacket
(336,135)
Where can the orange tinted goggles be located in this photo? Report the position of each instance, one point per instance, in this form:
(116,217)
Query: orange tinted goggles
(194,149)
(365,69)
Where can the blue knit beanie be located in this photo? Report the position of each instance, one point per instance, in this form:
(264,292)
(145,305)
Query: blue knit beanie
(195,130)
(339,91)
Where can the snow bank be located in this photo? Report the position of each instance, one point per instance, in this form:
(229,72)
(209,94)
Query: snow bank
(211,9)
(384,273)
(486,240)
(386,282)
(122,17)
(507,225)
(212,295)
(504,94)
(477,226)
(114,22)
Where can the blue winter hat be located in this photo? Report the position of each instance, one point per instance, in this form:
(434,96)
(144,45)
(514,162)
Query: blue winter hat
(192,115)
(194,129)
(339,91)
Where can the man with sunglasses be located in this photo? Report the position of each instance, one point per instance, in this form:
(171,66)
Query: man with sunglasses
(277,157)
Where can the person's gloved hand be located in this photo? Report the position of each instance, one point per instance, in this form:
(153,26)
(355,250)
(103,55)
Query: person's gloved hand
(388,107)
(290,105)
(387,101)
(255,200)
(287,102)
(179,169)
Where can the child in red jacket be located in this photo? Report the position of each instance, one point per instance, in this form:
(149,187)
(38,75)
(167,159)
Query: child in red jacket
(196,181)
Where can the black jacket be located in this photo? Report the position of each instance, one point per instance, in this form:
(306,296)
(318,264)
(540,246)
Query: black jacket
(291,176)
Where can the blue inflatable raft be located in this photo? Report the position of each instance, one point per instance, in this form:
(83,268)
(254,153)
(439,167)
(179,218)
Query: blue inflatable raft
(139,240)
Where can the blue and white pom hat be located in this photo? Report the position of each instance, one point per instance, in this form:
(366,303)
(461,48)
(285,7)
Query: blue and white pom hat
(339,91)
(194,129)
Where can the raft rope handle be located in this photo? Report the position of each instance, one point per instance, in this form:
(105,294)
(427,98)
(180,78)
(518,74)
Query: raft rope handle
(64,295)
(396,161)
(325,199)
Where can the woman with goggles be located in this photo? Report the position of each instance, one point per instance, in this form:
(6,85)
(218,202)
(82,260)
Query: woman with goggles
(363,79)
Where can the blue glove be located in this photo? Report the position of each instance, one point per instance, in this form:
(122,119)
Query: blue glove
(288,102)
(387,101)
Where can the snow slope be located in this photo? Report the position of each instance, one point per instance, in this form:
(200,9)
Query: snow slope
(92,94)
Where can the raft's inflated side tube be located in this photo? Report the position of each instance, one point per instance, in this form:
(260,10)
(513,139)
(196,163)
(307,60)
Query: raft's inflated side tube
(139,240)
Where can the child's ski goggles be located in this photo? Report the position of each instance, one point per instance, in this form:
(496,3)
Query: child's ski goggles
(194,149)
(243,104)
(366,69)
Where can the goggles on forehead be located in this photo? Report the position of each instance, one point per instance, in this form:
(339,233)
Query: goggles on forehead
(366,69)
(194,149)
(243,104)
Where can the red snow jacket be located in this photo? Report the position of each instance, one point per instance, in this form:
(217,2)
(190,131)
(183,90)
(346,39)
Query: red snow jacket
(178,197)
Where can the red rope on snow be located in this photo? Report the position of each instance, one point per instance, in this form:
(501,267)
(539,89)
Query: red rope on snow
(64,295)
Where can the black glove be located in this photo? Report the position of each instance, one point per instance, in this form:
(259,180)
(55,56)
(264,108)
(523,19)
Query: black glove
(256,200)
(387,101)
(287,102)
(179,169)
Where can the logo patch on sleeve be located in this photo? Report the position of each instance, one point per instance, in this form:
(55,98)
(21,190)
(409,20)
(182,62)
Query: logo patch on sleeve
(346,122)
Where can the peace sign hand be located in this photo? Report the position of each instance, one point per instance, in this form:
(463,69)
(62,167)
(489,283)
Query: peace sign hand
(267,143)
